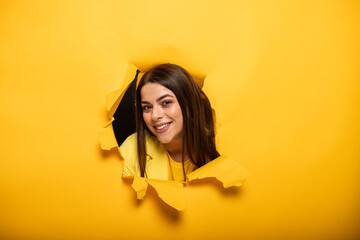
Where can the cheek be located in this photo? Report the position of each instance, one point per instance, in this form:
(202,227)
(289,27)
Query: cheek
(178,115)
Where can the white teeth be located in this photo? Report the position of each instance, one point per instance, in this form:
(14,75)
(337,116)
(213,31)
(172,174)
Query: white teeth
(162,126)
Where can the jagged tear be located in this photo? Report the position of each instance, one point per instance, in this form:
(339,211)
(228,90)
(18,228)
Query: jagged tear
(113,134)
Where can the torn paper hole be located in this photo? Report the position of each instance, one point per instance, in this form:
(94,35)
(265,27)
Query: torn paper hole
(224,169)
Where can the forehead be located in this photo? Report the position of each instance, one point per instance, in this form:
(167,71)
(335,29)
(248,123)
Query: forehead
(153,91)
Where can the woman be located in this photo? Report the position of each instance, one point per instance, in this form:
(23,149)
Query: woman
(174,126)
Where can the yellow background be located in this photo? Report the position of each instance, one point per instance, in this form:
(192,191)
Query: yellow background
(283,77)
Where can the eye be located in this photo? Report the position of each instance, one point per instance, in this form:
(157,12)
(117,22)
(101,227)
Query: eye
(146,107)
(167,102)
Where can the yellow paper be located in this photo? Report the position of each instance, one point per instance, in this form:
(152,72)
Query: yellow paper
(107,138)
(224,169)
(113,99)
(140,186)
(283,77)
(170,192)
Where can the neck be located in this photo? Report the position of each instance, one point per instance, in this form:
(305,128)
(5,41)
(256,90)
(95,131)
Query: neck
(175,150)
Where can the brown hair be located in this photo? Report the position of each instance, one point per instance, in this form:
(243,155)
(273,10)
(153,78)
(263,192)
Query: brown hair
(198,125)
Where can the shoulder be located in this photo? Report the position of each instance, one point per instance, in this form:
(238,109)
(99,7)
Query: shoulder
(129,146)
(128,151)
(156,156)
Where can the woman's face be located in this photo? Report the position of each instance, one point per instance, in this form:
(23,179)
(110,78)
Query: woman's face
(162,113)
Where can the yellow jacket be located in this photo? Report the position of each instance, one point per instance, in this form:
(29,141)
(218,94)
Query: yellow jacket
(159,164)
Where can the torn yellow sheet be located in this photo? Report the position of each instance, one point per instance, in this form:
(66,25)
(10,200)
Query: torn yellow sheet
(107,138)
(113,99)
(140,186)
(170,192)
(224,169)
(109,122)
(106,134)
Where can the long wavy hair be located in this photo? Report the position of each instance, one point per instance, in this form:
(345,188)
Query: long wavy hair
(198,124)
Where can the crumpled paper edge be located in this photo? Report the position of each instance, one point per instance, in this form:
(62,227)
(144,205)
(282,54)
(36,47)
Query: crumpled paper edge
(106,133)
(171,192)
(226,170)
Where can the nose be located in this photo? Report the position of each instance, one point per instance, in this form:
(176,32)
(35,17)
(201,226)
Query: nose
(157,113)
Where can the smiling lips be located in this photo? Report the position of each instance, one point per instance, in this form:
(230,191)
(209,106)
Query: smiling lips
(160,128)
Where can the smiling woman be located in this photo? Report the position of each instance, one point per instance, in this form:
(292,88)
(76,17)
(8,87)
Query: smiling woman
(163,117)
(174,126)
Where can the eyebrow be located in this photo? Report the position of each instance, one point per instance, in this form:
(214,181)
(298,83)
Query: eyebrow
(159,99)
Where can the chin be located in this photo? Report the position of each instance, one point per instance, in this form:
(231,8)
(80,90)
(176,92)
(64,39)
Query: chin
(164,140)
